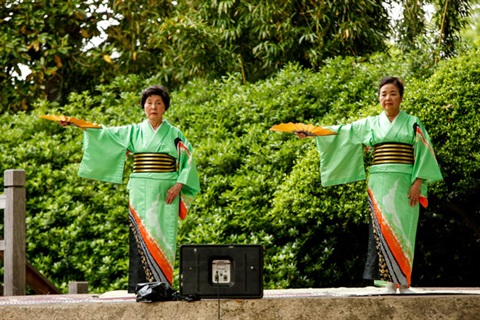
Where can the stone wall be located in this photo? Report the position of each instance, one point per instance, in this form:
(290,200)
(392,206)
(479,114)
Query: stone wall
(368,307)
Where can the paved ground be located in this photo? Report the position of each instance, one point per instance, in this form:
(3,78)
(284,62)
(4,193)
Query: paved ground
(123,296)
(290,304)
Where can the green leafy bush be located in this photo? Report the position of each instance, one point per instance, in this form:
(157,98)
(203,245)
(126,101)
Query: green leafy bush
(258,186)
(449,233)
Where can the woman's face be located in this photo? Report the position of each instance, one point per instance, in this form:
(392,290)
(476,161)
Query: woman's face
(154,108)
(390,99)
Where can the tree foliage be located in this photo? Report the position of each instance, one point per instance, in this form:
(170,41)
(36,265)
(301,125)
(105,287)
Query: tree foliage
(127,35)
(49,49)
(257,38)
(42,51)
(441,32)
(471,33)
(450,19)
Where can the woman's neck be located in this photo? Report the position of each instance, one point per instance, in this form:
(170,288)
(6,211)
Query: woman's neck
(155,124)
(392,117)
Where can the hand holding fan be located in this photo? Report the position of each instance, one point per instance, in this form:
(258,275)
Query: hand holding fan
(307,129)
(71,120)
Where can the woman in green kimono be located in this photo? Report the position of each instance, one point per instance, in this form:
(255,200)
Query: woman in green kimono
(403,164)
(162,185)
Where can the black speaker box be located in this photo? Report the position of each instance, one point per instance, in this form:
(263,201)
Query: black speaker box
(221,271)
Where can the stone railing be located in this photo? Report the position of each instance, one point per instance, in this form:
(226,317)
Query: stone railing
(18,272)
(13,245)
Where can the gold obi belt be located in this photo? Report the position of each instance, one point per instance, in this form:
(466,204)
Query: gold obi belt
(153,162)
(391,152)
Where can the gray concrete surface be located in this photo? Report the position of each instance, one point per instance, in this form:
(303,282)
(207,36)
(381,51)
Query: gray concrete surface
(327,303)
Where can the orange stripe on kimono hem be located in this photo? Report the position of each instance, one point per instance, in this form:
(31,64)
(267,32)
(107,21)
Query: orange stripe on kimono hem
(153,247)
(392,241)
(182,213)
(423,201)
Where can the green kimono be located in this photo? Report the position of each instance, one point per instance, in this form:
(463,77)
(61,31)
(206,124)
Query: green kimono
(153,223)
(394,221)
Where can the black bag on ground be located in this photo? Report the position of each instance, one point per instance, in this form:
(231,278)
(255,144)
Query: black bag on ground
(155,291)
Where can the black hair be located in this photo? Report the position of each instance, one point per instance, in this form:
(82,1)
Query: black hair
(393,80)
(156,90)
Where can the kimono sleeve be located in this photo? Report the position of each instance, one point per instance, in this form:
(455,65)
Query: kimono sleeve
(104,154)
(341,156)
(187,168)
(425,165)
(188,176)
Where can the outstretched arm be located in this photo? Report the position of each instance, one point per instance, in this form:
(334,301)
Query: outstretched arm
(302,135)
(66,123)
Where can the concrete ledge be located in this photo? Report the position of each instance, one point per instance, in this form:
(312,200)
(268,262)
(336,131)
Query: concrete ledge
(82,307)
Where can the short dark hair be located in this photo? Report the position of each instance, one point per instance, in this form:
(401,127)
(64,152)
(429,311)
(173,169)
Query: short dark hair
(156,90)
(393,80)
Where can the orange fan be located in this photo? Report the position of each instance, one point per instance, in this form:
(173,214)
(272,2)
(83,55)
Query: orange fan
(308,129)
(71,120)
